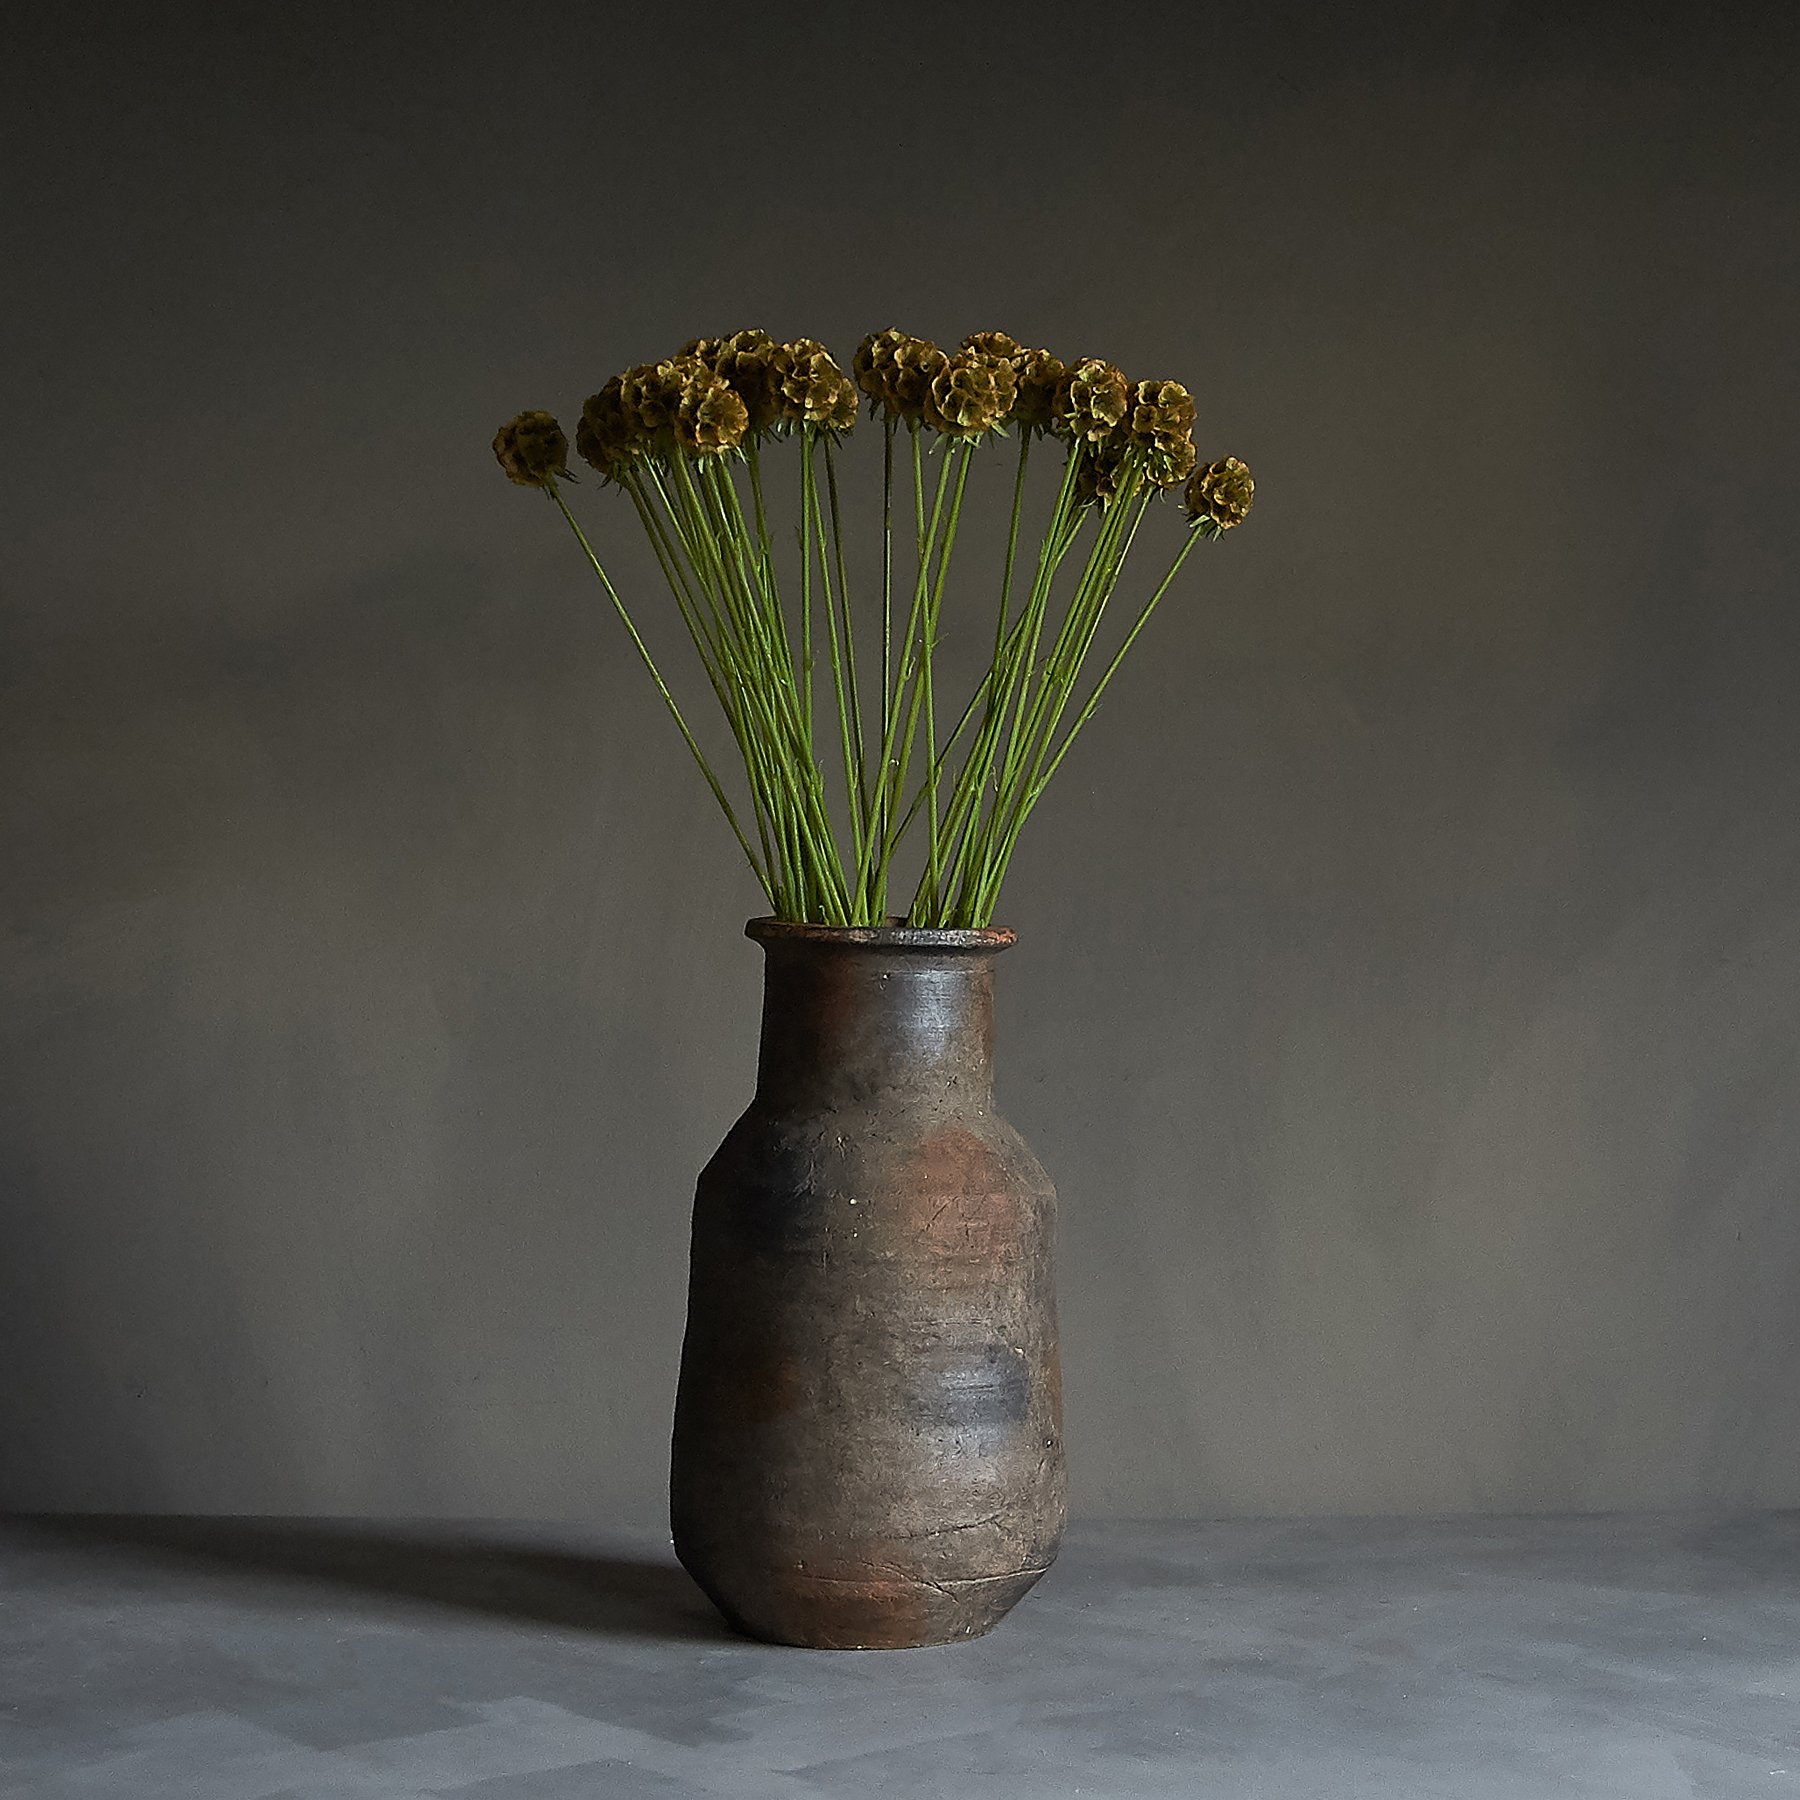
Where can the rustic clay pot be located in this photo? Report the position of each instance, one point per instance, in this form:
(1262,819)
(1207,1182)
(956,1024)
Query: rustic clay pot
(868,1433)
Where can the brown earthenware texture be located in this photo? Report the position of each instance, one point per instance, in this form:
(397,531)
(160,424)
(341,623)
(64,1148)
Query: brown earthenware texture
(868,1432)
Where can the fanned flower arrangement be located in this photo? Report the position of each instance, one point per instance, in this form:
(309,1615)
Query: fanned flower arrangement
(690,443)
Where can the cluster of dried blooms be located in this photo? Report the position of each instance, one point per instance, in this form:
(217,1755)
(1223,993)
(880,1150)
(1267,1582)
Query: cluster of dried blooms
(711,396)
(716,393)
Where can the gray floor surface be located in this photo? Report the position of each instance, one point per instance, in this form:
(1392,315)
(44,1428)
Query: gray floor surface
(1499,1659)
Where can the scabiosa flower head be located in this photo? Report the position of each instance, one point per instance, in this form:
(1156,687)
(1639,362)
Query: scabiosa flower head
(970,395)
(709,416)
(1098,472)
(745,360)
(1162,427)
(532,449)
(1091,401)
(992,343)
(1221,494)
(810,388)
(915,363)
(648,396)
(873,367)
(1039,375)
(605,438)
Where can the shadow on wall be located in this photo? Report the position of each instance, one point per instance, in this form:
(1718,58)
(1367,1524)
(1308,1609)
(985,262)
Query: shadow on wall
(346,1158)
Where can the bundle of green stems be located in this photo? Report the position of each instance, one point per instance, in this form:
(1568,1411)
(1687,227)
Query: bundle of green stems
(695,446)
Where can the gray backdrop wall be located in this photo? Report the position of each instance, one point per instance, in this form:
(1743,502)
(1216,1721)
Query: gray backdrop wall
(1405,995)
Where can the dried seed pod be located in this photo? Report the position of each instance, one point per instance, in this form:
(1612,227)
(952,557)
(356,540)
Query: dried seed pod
(1172,466)
(1091,401)
(606,437)
(1098,472)
(971,395)
(1162,426)
(874,364)
(649,393)
(532,449)
(1039,376)
(992,343)
(709,416)
(917,362)
(746,360)
(811,389)
(1221,492)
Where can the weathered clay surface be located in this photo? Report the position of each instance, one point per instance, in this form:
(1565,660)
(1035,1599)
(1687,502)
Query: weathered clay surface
(868,1433)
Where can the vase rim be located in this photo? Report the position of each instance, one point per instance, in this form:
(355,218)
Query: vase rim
(895,936)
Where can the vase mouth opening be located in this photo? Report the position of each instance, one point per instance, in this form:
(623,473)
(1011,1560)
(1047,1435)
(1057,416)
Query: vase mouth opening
(895,935)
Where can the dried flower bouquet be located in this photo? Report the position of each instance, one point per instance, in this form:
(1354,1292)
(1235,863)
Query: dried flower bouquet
(685,441)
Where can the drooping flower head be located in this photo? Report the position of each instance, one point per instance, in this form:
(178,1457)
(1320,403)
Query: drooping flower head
(970,395)
(532,449)
(1221,493)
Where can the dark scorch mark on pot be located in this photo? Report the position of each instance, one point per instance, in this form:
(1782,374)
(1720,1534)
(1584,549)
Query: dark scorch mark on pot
(991,1394)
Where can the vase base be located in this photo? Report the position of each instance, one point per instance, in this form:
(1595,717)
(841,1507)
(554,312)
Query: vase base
(880,1612)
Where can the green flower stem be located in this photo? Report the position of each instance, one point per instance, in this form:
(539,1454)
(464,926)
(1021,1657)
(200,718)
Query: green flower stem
(1065,522)
(852,782)
(806,611)
(763,595)
(950,742)
(1112,668)
(822,862)
(957,810)
(778,655)
(1100,593)
(1064,673)
(772,676)
(715,659)
(797,768)
(1029,721)
(662,687)
(1059,665)
(1042,781)
(887,557)
(909,692)
(874,872)
(747,683)
(872,883)
(765,549)
(851,676)
(924,689)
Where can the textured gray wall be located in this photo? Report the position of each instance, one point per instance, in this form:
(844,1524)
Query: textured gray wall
(1405,998)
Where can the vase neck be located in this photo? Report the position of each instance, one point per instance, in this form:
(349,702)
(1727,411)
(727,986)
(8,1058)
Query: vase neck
(859,1023)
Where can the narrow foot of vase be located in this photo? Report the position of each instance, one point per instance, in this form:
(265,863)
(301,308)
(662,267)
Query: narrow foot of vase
(784,1606)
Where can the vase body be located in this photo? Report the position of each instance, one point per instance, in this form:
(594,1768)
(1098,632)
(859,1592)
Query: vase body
(868,1429)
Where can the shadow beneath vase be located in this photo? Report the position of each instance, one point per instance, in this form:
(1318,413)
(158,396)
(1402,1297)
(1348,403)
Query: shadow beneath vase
(615,1595)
